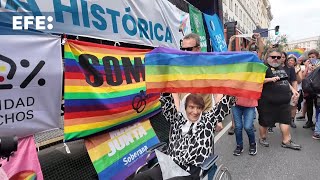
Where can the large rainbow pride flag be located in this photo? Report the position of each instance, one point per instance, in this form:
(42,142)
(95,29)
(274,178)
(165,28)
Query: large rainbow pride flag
(118,154)
(104,88)
(239,74)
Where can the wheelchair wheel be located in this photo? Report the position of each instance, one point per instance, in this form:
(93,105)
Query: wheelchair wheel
(222,173)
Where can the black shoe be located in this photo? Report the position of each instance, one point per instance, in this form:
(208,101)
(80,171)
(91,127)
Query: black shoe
(270,130)
(313,128)
(253,149)
(293,125)
(264,142)
(308,124)
(291,145)
(238,151)
(231,131)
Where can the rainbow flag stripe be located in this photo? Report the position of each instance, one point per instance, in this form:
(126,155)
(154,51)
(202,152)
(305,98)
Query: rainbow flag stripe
(104,88)
(118,154)
(235,73)
(25,175)
(297,52)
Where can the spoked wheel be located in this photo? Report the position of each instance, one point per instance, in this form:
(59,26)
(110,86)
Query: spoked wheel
(222,173)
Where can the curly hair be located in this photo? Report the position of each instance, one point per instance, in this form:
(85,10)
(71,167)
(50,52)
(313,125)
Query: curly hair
(270,50)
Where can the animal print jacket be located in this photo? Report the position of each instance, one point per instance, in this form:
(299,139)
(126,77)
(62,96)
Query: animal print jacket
(193,148)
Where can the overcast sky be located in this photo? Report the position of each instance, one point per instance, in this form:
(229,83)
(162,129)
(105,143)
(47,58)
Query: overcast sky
(297,18)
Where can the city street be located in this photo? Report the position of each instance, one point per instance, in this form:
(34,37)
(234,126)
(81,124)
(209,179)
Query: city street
(274,162)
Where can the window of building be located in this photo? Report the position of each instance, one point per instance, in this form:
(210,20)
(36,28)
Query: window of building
(240,14)
(236,9)
(231,5)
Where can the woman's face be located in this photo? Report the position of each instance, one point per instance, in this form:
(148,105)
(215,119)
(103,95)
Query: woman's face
(291,62)
(312,56)
(193,111)
(283,58)
(274,59)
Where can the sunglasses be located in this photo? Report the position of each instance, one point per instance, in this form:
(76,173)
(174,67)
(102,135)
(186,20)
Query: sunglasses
(275,57)
(187,48)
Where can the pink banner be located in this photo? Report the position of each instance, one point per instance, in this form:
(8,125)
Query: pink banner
(24,164)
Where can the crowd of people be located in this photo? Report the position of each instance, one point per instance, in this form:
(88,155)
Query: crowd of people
(195,117)
(281,100)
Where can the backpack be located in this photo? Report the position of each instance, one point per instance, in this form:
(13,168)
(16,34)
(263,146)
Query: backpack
(311,84)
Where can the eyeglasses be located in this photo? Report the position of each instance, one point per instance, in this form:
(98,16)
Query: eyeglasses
(275,57)
(187,48)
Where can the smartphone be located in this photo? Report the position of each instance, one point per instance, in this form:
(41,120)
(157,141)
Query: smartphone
(315,62)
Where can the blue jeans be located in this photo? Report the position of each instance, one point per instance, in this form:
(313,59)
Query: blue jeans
(243,118)
(317,128)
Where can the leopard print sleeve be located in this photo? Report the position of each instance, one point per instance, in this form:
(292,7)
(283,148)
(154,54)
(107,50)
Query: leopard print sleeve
(168,108)
(222,109)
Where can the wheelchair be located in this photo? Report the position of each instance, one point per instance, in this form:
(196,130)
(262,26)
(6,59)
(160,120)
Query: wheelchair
(209,169)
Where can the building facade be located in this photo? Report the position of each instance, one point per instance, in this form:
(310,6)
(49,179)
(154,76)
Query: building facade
(249,14)
(307,43)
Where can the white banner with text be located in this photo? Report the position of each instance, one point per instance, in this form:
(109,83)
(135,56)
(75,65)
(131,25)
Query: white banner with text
(30,84)
(152,23)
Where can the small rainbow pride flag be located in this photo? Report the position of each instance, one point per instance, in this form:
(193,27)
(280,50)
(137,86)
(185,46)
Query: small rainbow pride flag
(297,52)
(240,74)
(104,88)
(118,154)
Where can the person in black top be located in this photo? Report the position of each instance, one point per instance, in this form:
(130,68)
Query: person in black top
(292,78)
(274,104)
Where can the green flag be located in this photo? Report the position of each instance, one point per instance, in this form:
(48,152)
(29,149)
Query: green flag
(197,26)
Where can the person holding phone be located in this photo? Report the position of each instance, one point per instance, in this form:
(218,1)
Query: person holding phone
(310,98)
(274,104)
(292,78)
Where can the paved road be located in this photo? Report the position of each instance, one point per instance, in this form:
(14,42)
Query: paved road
(274,162)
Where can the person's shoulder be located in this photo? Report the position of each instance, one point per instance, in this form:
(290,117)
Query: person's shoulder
(293,69)
(270,69)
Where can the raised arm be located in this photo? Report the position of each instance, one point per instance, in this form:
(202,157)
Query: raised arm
(169,110)
(232,38)
(222,109)
(260,45)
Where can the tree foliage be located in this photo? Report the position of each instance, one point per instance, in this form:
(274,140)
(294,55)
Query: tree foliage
(281,41)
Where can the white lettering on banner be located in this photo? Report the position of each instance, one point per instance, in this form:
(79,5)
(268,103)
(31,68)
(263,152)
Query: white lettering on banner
(121,131)
(203,41)
(132,157)
(145,22)
(125,139)
(222,44)
(38,21)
